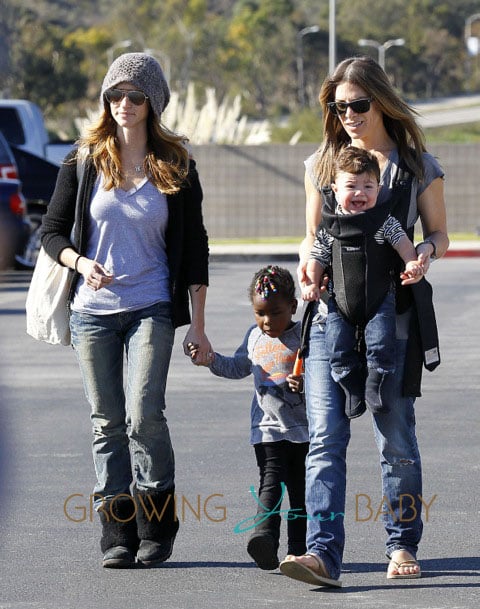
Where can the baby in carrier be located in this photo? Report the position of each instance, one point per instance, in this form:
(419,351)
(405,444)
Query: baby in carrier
(358,245)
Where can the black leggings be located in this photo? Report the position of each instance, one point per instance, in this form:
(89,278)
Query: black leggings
(278,462)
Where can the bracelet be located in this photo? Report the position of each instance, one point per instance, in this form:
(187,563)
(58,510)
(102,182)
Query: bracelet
(433,255)
(76,262)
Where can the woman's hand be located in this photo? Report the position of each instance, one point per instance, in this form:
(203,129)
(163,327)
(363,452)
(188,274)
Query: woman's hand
(197,347)
(96,276)
(302,273)
(424,251)
(310,292)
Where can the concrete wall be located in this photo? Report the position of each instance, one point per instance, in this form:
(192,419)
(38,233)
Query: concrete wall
(257,191)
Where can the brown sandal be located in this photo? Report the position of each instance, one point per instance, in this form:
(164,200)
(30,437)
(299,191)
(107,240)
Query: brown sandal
(293,567)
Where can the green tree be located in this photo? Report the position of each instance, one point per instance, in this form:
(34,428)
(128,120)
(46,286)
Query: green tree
(258,47)
(55,51)
(47,70)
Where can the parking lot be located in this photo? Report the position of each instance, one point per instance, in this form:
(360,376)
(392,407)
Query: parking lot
(50,556)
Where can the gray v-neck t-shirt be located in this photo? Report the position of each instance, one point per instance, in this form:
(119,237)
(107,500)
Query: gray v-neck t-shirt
(126,234)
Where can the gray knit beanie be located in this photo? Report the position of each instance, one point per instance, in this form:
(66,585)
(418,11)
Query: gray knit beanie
(142,71)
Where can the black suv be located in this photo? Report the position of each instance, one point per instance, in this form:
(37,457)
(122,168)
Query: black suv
(15,228)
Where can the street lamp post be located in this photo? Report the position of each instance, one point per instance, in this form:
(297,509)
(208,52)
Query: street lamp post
(300,72)
(123,44)
(473,45)
(332,37)
(382,48)
(472,42)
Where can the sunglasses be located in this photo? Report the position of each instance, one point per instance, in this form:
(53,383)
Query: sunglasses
(115,96)
(359,106)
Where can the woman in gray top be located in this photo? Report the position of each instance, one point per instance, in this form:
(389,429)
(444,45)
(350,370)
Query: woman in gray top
(362,109)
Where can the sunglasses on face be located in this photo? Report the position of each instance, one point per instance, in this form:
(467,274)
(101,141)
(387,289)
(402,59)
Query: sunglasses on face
(359,106)
(115,96)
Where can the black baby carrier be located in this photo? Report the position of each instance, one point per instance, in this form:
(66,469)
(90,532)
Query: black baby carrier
(365,269)
(361,267)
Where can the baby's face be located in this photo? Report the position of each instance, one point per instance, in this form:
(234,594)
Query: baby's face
(355,193)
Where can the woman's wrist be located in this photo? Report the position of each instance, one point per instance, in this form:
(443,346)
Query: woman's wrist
(430,242)
(76,263)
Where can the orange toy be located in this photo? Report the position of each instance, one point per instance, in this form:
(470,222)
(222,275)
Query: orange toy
(298,365)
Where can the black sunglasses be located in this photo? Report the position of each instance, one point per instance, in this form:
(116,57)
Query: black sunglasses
(360,106)
(116,95)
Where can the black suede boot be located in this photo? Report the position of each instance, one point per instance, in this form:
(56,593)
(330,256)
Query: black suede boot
(353,386)
(375,391)
(119,542)
(263,548)
(157,525)
(263,543)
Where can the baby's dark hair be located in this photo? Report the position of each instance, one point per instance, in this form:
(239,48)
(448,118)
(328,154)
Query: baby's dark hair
(272,280)
(356,160)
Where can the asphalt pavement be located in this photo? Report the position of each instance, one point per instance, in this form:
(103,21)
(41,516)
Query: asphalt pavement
(49,551)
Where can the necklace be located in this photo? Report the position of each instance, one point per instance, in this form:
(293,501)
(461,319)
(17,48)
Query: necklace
(133,166)
(136,172)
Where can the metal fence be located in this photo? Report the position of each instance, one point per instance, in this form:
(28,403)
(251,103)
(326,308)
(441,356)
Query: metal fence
(253,192)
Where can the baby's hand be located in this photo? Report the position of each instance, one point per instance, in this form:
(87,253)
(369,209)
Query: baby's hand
(295,383)
(414,271)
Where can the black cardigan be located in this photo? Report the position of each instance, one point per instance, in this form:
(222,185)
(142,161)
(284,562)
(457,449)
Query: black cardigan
(186,237)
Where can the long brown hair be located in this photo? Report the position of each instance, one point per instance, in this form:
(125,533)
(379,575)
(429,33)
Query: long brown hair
(166,162)
(399,118)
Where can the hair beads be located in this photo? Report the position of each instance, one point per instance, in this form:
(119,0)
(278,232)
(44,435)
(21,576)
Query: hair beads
(272,280)
(265,284)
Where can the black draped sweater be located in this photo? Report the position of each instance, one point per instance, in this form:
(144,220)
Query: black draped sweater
(186,237)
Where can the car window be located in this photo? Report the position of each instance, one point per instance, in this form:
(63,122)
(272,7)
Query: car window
(5,155)
(11,126)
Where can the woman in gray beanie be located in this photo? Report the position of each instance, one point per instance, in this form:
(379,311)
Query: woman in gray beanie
(138,254)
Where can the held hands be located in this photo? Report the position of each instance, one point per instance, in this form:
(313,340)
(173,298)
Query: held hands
(415,269)
(198,348)
(312,280)
(96,276)
(194,353)
(310,292)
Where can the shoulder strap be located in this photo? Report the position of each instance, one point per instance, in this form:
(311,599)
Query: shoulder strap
(80,169)
(401,193)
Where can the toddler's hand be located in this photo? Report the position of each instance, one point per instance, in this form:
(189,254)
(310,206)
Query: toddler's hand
(193,352)
(295,383)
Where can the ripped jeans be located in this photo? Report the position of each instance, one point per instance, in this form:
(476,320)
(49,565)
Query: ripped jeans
(329,431)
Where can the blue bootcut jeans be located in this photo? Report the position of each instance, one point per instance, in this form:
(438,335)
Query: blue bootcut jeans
(130,430)
(329,430)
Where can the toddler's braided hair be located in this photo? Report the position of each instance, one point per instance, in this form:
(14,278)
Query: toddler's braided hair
(272,280)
